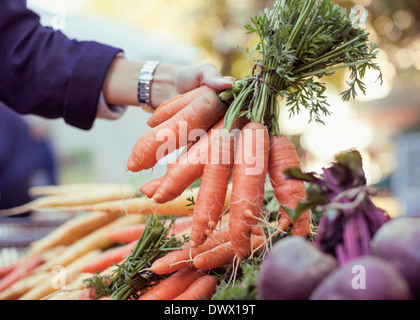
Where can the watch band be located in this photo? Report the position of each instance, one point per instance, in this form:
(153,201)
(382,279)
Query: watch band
(144,84)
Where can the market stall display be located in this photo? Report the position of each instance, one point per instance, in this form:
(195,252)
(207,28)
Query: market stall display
(254,225)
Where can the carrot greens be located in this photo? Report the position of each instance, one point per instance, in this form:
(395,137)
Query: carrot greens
(300,41)
(132,276)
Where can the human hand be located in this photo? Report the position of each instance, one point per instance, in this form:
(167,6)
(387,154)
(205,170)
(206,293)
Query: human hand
(170,80)
(185,79)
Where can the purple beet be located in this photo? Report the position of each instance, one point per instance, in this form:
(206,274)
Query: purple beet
(398,242)
(367,278)
(292,270)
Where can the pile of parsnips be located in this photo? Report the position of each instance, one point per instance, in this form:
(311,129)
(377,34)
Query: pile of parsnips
(51,266)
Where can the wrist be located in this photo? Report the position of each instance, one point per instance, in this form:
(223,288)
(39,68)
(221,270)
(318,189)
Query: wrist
(146,76)
(120,85)
(163,84)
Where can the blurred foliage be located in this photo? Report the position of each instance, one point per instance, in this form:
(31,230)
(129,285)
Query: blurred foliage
(217,27)
(395,25)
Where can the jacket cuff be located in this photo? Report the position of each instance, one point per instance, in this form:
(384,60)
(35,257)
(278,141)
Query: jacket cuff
(109,112)
(85,87)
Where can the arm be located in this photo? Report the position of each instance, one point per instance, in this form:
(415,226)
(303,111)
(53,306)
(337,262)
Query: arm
(47,74)
(120,86)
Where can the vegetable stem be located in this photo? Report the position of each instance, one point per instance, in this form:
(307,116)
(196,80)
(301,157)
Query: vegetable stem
(299,40)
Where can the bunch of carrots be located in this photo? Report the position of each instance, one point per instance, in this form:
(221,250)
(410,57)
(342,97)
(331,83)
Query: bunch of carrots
(158,245)
(176,273)
(241,143)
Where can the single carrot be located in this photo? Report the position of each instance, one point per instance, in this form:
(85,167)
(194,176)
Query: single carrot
(223,254)
(201,289)
(180,224)
(172,286)
(108,258)
(20,271)
(142,206)
(171,107)
(127,234)
(95,241)
(149,188)
(288,192)
(87,294)
(248,185)
(131,233)
(187,169)
(7,269)
(179,259)
(72,230)
(210,202)
(201,114)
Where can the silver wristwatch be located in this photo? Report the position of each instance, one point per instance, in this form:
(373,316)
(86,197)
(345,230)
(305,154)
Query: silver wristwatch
(144,84)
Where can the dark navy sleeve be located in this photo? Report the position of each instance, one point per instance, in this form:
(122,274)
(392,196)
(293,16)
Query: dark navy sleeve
(43,72)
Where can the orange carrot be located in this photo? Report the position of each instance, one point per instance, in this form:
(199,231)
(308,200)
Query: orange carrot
(288,192)
(187,169)
(171,107)
(179,259)
(201,289)
(248,185)
(108,258)
(180,224)
(223,254)
(131,233)
(7,269)
(201,114)
(20,271)
(172,286)
(210,202)
(149,188)
(87,294)
(127,234)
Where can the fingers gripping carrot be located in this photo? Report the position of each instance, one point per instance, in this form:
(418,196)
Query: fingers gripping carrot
(202,113)
(171,107)
(288,192)
(210,202)
(248,185)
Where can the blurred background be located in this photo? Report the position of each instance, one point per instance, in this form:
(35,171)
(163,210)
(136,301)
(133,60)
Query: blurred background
(384,125)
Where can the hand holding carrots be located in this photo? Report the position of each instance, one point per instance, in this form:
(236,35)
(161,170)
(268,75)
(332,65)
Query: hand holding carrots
(200,115)
(217,157)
